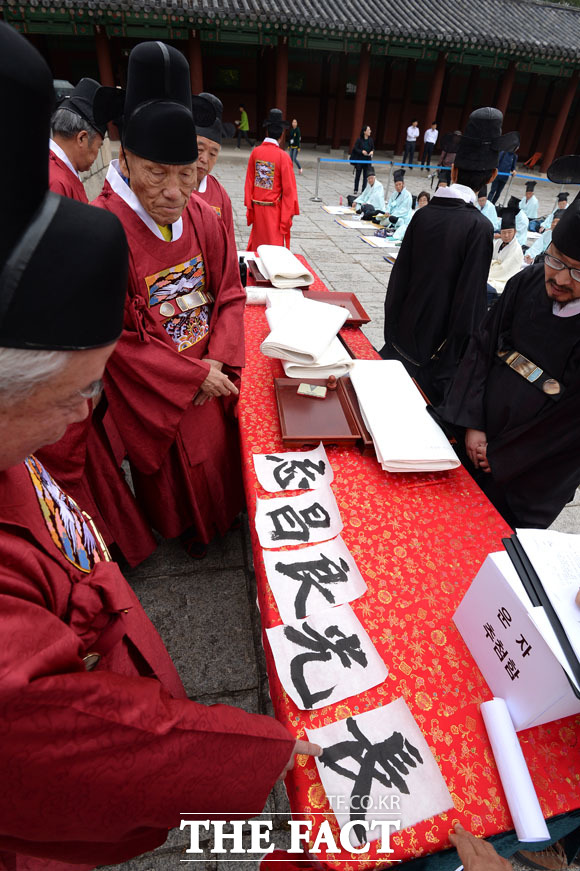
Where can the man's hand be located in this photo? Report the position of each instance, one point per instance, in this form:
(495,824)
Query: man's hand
(216,384)
(476,447)
(305,748)
(475,853)
(528,259)
(541,230)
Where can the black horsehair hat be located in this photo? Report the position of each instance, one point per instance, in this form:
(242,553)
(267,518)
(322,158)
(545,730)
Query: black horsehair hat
(81,103)
(63,264)
(530,185)
(513,203)
(508,219)
(482,192)
(214,131)
(371,171)
(159,113)
(399,175)
(566,235)
(275,117)
(482,141)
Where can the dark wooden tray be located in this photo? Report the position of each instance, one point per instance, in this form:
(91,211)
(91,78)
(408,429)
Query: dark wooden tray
(258,276)
(306,421)
(357,315)
(367,446)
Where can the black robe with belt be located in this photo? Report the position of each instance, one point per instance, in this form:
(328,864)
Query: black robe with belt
(437,291)
(533,439)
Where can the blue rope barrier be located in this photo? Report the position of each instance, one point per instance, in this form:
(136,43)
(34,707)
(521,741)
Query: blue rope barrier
(418,166)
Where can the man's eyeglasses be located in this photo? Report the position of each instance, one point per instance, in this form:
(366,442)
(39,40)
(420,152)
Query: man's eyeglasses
(554,263)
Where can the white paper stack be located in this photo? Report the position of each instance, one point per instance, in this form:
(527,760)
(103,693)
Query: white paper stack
(303,336)
(282,267)
(406,437)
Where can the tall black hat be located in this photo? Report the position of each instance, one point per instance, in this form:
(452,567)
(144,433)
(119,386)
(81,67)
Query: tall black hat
(482,141)
(563,196)
(565,170)
(159,113)
(63,264)
(81,102)
(530,185)
(371,171)
(275,117)
(482,192)
(513,203)
(399,175)
(214,131)
(508,219)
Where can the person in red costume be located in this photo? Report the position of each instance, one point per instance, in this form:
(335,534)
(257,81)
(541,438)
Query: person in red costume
(172,381)
(270,193)
(101,750)
(75,143)
(209,145)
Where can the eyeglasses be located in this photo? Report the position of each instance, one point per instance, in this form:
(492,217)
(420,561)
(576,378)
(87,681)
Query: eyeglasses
(556,264)
(92,391)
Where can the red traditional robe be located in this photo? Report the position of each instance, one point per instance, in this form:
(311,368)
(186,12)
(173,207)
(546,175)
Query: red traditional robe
(98,765)
(216,196)
(270,179)
(185,459)
(63,180)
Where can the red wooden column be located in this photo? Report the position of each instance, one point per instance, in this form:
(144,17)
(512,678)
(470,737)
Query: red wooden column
(340,97)
(507,84)
(362,84)
(435,92)
(282,75)
(469,97)
(195,62)
(558,127)
(106,76)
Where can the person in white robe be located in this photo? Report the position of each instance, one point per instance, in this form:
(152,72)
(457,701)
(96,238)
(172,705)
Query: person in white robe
(373,196)
(422,201)
(544,240)
(522,220)
(488,209)
(529,202)
(561,205)
(507,257)
(399,209)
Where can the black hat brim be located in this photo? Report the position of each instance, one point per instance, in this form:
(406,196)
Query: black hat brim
(565,170)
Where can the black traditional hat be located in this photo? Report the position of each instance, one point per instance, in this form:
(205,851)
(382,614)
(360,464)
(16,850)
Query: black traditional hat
(513,203)
(63,264)
(371,171)
(399,175)
(508,219)
(565,170)
(159,113)
(566,234)
(530,185)
(81,103)
(215,131)
(563,196)
(482,192)
(275,118)
(482,141)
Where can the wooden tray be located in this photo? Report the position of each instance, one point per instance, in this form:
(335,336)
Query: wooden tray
(367,446)
(306,421)
(357,315)
(258,276)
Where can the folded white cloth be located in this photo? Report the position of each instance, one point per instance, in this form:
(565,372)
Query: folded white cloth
(282,267)
(335,361)
(405,436)
(303,331)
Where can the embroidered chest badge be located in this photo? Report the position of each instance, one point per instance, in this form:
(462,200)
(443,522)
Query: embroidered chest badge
(183,302)
(67,525)
(217,210)
(264,177)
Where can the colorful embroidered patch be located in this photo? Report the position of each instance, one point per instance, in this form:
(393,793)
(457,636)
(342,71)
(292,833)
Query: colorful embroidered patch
(176,281)
(217,210)
(189,328)
(64,519)
(264,174)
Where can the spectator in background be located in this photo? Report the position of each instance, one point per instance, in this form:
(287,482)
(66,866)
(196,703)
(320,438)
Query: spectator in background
(507,166)
(412,135)
(294,143)
(363,151)
(243,126)
(429,142)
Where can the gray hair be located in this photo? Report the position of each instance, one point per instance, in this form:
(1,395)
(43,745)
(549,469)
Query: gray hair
(68,125)
(21,370)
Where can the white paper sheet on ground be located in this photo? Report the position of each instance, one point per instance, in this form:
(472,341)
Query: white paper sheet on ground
(371,759)
(304,519)
(355,224)
(302,332)
(517,784)
(312,579)
(325,658)
(405,436)
(379,241)
(294,470)
(338,210)
(282,267)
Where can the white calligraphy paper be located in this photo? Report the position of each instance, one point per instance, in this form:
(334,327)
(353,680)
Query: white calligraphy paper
(325,658)
(313,579)
(293,470)
(304,519)
(376,762)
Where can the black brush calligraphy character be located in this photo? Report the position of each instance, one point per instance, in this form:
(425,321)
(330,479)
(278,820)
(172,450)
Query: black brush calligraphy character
(347,648)
(315,516)
(288,525)
(316,574)
(395,756)
(284,474)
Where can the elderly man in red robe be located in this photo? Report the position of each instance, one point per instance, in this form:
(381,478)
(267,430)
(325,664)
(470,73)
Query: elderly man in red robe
(209,189)
(270,193)
(101,750)
(172,382)
(76,139)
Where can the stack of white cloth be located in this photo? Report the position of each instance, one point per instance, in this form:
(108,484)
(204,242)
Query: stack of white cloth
(405,436)
(304,336)
(282,267)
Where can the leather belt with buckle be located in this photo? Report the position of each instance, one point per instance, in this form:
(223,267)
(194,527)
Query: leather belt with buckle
(532,373)
(187,302)
(265,202)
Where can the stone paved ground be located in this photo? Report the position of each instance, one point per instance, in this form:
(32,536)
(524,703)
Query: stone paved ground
(205,611)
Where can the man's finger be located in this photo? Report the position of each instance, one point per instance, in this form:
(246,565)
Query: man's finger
(306,748)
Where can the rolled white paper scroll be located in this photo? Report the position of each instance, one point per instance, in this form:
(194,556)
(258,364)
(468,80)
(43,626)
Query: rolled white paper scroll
(524,806)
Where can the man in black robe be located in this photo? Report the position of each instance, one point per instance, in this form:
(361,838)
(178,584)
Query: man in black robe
(437,292)
(517,391)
